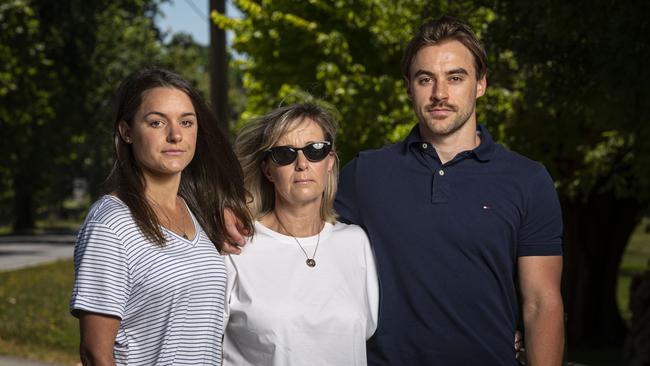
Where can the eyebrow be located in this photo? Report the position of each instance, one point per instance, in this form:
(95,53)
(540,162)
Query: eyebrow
(455,71)
(458,70)
(422,72)
(186,114)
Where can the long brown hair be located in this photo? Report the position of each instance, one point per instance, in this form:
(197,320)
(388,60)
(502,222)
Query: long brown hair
(211,182)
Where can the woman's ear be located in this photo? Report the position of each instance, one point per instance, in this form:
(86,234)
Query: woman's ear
(266,170)
(331,160)
(125,131)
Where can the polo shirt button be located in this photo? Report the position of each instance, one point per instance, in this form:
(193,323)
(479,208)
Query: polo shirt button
(441,172)
(424,145)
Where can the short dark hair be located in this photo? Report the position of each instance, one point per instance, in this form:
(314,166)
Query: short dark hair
(443,29)
(212,181)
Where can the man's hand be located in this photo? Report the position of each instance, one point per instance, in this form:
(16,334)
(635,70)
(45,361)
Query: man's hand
(235,233)
(520,351)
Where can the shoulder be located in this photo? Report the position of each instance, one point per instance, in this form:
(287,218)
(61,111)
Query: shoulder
(110,215)
(391,151)
(108,209)
(518,164)
(349,232)
(374,161)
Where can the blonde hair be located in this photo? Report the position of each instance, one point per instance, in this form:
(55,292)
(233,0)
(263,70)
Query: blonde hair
(262,133)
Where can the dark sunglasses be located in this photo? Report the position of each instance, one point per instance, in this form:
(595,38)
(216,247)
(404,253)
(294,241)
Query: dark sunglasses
(314,152)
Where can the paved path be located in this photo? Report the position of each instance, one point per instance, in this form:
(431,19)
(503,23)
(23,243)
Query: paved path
(14,361)
(30,250)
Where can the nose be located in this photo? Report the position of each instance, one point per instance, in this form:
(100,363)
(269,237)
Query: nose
(439,91)
(174,133)
(301,162)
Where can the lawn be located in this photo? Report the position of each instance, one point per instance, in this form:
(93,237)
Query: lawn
(34,318)
(635,260)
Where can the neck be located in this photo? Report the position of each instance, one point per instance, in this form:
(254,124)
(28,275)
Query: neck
(162,190)
(294,221)
(448,146)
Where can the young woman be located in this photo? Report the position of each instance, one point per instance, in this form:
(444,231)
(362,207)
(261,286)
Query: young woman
(304,289)
(149,281)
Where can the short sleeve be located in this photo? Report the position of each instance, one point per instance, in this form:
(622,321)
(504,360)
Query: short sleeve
(372,289)
(541,231)
(102,281)
(230,286)
(346,205)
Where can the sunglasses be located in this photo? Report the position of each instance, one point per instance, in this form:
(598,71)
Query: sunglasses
(314,152)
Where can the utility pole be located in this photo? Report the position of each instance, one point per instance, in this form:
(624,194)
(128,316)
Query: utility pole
(219,69)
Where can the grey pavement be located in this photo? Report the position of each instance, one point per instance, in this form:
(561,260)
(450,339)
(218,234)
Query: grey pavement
(15,361)
(19,251)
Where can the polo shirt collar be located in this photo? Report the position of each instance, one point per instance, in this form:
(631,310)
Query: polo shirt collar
(483,152)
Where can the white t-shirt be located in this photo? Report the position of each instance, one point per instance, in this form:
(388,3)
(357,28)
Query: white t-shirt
(170,300)
(282,312)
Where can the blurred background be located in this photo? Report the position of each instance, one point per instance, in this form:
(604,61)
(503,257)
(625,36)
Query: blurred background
(568,86)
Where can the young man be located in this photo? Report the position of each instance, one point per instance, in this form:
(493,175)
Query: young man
(455,219)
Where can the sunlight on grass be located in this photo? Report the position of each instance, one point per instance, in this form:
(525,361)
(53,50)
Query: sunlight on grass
(635,260)
(34,318)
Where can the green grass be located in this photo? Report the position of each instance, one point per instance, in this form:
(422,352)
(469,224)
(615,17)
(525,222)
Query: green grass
(34,318)
(635,261)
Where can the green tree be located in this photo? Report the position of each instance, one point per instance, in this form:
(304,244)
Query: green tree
(583,110)
(61,62)
(58,65)
(24,106)
(567,86)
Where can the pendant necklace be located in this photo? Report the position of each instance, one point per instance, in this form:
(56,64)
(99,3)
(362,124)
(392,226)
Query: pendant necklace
(172,224)
(311,262)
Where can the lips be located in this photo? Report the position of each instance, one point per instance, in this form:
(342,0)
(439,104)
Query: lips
(303,181)
(173,152)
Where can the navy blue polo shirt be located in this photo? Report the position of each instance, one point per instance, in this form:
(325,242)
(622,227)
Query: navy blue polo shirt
(446,239)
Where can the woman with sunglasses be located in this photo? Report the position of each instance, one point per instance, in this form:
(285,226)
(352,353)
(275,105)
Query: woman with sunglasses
(304,289)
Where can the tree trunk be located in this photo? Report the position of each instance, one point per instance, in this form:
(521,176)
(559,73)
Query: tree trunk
(23,203)
(219,69)
(596,233)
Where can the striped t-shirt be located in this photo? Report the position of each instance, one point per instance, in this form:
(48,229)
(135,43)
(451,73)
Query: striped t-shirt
(170,300)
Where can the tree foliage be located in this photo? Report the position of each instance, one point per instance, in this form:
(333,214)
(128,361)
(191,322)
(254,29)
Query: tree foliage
(24,106)
(583,110)
(567,86)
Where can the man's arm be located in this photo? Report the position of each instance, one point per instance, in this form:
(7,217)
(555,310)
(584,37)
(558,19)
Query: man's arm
(98,334)
(543,312)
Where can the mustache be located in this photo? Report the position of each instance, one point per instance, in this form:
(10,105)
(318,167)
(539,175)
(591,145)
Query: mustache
(441,104)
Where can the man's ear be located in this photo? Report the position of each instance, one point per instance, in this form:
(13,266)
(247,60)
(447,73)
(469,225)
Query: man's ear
(409,95)
(125,131)
(481,86)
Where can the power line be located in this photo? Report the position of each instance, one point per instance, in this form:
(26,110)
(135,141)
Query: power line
(197,10)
